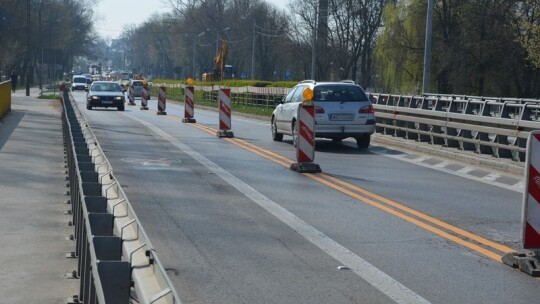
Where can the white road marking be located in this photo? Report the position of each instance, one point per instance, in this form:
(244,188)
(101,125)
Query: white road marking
(374,276)
(463,172)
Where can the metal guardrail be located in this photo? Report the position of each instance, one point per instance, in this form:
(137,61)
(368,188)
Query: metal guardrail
(5,98)
(116,261)
(495,126)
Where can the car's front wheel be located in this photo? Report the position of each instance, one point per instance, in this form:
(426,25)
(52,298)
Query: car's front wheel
(88,107)
(363,141)
(121,108)
(276,136)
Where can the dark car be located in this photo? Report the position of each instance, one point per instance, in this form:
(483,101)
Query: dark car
(106,94)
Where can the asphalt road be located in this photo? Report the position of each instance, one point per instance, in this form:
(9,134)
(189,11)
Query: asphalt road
(233,224)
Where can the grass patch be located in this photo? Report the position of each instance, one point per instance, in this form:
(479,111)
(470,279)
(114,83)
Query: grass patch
(49,96)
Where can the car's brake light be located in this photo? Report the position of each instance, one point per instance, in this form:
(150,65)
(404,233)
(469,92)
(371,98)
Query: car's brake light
(367,109)
(319,110)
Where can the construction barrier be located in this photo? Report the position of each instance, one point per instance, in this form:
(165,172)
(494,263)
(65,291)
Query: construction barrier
(225,113)
(189,105)
(529,260)
(145,93)
(131,96)
(116,261)
(162,100)
(304,136)
(5,98)
(531,197)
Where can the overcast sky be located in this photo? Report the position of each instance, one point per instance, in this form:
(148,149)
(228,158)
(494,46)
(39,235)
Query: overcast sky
(113,15)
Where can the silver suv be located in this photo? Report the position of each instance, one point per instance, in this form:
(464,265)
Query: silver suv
(342,110)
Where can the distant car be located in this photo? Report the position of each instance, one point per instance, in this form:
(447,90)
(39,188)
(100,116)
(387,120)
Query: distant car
(106,94)
(79,83)
(137,87)
(342,110)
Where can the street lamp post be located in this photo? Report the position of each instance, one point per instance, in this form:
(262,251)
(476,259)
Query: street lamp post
(195,39)
(253,50)
(314,46)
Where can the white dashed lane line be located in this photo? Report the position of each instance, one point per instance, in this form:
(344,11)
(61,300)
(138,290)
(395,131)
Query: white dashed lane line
(470,172)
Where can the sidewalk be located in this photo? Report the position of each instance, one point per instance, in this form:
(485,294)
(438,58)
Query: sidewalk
(32,204)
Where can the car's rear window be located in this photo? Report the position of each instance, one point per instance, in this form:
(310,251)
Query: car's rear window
(339,93)
(136,83)
(79,79)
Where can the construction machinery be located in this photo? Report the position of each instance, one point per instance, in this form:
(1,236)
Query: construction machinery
(221,70)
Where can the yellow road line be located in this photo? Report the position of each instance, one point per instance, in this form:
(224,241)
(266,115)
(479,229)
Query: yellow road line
(381,203)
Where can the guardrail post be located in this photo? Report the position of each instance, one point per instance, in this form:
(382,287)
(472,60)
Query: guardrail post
(423,129)
(484,137)
(452,108)
(399,103)
(467,134)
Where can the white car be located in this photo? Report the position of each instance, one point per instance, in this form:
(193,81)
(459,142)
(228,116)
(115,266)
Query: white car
(79,83)
(342,110)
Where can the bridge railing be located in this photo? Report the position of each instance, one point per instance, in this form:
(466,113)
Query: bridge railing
(495,126)
(116,261)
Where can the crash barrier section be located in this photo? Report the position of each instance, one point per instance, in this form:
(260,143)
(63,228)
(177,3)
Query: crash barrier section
(5,98)
(144,98)
(116,261)
(162,100)
(131,95)
(189,105)
(304,136)
(225,113)
(499,127)
(528,260)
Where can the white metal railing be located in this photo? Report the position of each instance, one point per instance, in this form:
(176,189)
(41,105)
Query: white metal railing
(495,126)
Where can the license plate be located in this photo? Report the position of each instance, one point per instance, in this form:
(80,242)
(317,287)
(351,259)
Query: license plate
(106,101)
(341,116)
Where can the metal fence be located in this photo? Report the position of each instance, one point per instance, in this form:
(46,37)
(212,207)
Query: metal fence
(495,126)
(116,261)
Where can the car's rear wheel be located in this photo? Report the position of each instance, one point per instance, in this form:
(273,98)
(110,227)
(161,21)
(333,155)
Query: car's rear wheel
(363,141)
(276,136)
(295,133)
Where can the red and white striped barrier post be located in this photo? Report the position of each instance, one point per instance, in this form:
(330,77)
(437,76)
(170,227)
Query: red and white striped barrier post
(144,97)
(529,262)
(131,96)
(189,105)
(225,113)
(531,198)
(162,100)
(304,136)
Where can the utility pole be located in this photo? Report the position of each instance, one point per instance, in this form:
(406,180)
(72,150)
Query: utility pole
(427,48)
(253,50)
(314,46)
(27,48)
